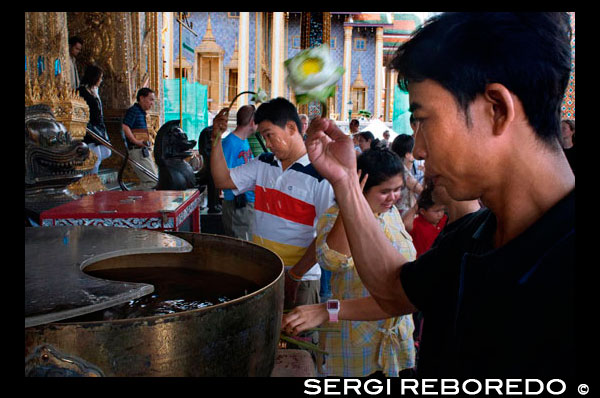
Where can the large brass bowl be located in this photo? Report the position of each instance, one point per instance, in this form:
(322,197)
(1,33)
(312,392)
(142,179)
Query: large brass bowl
(236,338)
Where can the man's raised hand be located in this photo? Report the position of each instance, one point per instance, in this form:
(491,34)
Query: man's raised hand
(330,151)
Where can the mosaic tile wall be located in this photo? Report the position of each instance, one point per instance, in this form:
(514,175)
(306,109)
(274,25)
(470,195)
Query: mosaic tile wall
(337,53)
(225,31)
(366,60)
(568,106)
(293,40)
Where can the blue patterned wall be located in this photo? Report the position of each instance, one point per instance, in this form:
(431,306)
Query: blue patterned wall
(225,31)
(366,60)
(252,50)
(337,53)
(294,30)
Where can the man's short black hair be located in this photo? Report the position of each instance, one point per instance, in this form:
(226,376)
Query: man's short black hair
(143,92)
(403,144)
(278,111)
(527,52)
(74,40)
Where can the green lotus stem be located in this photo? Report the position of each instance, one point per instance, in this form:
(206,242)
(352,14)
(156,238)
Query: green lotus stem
(236,97)
(302,344)
(325,330)
(214,144)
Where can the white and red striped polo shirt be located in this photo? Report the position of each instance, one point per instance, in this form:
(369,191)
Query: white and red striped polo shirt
(287,205)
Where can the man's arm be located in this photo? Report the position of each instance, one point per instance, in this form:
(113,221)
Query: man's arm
(377,262)
(305,263)
(408,217)
(131,137)
(218,164)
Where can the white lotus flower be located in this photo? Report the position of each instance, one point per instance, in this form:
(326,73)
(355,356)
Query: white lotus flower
(260,96)
(312,74)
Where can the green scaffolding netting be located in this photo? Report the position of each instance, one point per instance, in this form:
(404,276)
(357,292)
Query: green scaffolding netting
(194,105)
(401,116)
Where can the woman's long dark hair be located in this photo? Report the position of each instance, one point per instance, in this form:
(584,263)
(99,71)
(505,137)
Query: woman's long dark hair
(380,163)
(92,75)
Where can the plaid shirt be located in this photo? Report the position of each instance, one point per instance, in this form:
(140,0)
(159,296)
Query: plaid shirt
(364,347)
(135,117)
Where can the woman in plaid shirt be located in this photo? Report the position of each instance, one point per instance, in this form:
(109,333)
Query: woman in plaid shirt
(369,340)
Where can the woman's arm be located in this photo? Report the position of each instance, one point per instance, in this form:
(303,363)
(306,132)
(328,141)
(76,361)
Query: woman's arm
(306,317)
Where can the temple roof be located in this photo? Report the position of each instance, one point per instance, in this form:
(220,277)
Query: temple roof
(209,44)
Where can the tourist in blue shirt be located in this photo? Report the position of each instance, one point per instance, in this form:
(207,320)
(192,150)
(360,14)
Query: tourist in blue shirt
(140,150)
(238,211)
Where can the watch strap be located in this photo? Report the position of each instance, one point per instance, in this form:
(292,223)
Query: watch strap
(333,317)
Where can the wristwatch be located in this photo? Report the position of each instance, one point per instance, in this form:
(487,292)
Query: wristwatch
(333,307)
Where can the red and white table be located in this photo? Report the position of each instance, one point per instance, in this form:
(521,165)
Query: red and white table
(154,210)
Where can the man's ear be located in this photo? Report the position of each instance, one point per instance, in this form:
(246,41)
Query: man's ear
(502,106)
(291,127)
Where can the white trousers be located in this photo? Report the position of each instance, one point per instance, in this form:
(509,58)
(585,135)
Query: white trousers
(101,152)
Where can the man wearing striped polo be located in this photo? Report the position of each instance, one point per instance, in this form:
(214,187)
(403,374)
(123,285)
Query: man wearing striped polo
(290,195)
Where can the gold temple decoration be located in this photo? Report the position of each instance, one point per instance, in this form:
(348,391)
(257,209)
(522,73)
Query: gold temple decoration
(126,46)
(209,56)
(48,66)
(359,81)
(87,185)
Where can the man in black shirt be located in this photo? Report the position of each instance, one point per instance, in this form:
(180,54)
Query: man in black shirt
(485,92)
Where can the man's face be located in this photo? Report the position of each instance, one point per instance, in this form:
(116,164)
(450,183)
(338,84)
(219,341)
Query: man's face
(304,123)
(353,127)
(459,158)
(147,102)
(278,140)
(566,132)
(75,49)
(363,143)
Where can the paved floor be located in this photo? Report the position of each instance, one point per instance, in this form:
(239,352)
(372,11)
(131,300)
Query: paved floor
(293,363)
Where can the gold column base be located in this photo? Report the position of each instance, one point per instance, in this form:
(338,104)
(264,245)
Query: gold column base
(87,185)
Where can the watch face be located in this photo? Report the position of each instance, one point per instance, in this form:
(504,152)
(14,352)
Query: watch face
(333,305)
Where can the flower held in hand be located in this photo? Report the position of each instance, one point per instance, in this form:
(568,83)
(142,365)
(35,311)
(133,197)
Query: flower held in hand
(312,74)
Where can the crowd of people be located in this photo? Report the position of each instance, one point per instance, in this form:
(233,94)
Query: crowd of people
(134,125)
(421,241)
(431,255)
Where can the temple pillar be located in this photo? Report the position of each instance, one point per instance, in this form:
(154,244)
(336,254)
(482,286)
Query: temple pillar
(389,92)
(377,98)
(348,71)
(243,57)
(277,87)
